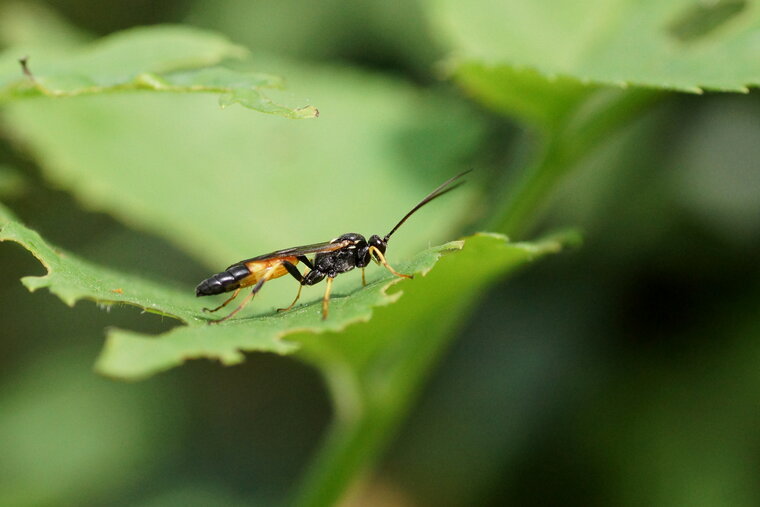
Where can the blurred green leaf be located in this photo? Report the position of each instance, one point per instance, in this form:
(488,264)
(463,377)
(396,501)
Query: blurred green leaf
(547,63)
(522,92)
(59,426)
(695,417)
(149,58)
(12,183)
(714,168)
(30,24)
(616,42)
(72,279)
(373,31)
(375,369)
(228,185)
(6,215)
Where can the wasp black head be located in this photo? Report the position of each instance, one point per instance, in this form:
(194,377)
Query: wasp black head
(364,254)
(378,242)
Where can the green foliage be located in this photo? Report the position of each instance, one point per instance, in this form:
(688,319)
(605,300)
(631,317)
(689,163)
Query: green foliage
(172,59)
(5,215)
(581,72)
(546,63)
(376,369)
(371,26)
(123,124)
(72,279)
(616,43)
(131,355)
(230,185)
(12,182)
(523,92)
(75,422)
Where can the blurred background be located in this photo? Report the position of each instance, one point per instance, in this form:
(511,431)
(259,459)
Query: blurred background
(624,372)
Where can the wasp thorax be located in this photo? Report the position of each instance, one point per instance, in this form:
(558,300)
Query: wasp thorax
(357,239)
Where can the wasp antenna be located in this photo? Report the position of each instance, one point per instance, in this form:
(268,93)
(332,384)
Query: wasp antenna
(443,188)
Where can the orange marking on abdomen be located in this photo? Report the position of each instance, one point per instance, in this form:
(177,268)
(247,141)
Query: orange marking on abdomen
(273,267)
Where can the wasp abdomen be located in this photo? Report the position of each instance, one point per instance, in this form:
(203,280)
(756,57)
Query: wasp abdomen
(225,281)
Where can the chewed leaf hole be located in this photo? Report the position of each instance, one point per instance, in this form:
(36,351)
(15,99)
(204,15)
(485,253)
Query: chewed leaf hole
(703,17)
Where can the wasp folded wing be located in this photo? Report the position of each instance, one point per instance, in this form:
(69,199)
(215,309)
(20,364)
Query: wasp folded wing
(327,246)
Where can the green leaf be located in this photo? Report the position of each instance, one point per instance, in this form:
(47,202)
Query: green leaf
(376,369)
(32,25)
(522,92)
(548,66)
(12,183)
(5,215)
(52,404)
(677,44)
(397,30)
(130,356)
(228,185)
(173,59)
(71,279)
(253,99)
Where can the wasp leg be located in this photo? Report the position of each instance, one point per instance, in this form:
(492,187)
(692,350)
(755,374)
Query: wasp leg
(379,257)
(305,260)
(234,295)
(248,298)
(364,280)
(297,275)
(298,295)
(326,298)
(293,271)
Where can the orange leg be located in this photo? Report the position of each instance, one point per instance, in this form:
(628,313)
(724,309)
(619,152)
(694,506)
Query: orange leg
(248,298)
(364,280)
(379,257)
(326,298)
(294,301)
(234,295)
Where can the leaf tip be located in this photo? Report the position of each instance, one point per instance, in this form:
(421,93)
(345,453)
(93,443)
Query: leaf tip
(306,112)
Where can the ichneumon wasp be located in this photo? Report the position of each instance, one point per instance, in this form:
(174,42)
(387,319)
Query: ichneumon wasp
(331,258)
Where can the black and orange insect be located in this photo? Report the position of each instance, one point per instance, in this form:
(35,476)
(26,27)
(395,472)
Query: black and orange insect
(331,258)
